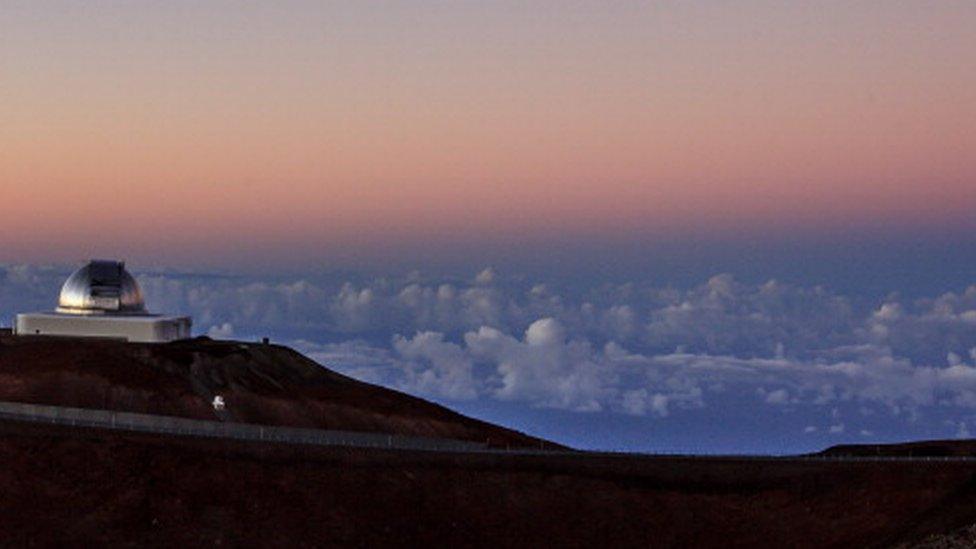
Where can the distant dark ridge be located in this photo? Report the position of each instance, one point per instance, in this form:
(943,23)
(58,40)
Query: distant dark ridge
(925,448)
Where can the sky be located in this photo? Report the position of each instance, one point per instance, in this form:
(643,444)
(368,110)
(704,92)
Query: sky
(235,150)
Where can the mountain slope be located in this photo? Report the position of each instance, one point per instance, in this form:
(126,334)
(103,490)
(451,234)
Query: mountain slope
(65,486)
(261,384)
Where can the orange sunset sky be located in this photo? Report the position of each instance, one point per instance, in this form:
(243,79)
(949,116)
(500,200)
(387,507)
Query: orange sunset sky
(203,131)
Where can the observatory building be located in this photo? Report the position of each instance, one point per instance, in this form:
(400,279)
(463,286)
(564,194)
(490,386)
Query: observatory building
(102,299)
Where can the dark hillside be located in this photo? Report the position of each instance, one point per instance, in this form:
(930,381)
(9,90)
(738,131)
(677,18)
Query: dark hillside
(262,384)
(72,486)
(62,486)
(924,448)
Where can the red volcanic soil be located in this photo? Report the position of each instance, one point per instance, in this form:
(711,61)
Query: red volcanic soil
(70,486)
(261,384)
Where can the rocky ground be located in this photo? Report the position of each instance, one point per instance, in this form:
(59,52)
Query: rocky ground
(963,538)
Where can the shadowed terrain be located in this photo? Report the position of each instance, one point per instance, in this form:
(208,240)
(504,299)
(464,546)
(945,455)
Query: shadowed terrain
(924,448)
(62,485)
(261,384)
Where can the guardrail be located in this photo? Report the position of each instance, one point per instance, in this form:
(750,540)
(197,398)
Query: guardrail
(128,421)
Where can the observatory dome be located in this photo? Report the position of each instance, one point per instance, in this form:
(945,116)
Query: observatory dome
(101,287)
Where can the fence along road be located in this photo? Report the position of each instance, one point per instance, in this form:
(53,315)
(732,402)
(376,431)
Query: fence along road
(148,423)
(128,421)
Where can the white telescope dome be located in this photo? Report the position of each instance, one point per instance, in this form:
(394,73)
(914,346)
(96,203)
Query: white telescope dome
(101,287)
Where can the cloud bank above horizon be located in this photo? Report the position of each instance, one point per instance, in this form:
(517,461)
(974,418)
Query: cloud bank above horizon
(823,366)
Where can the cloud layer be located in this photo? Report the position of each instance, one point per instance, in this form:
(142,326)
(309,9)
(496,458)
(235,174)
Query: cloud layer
(634,349)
